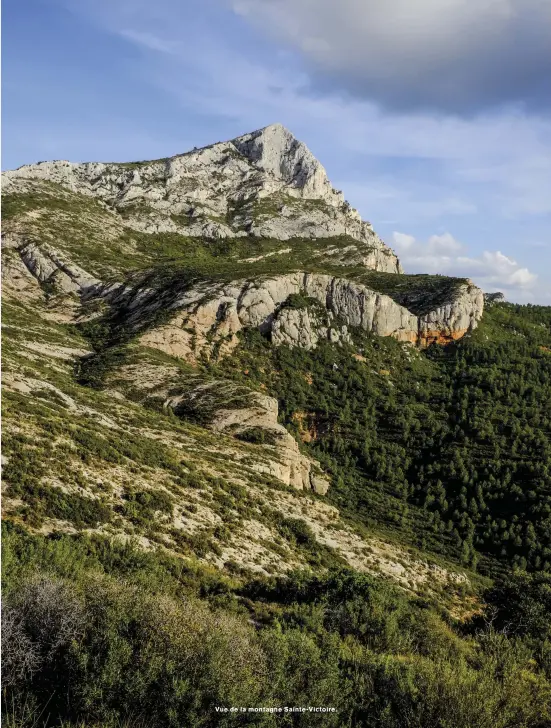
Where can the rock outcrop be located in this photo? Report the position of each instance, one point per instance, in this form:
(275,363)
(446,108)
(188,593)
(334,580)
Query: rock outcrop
(251,416)
(266,184)
(454,319)
(305,328)
(209,317)
(49,266)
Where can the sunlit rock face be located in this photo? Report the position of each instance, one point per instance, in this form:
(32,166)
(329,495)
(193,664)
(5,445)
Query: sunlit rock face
(265,184)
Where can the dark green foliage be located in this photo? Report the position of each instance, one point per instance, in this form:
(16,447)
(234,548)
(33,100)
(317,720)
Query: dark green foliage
(258,436)
(420,293)
(298,301)
(140,507)
(451,448)
(296,530)
(521,604)
(92,370)
(109,340)
(115,633)
(45,501)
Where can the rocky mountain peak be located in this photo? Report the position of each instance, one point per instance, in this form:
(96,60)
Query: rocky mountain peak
(263,185)
(276,151)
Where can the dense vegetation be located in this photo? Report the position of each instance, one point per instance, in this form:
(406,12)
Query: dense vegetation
(462,431)
(100,634)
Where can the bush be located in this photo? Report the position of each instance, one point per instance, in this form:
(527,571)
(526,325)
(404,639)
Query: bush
(258,436)
(127,634)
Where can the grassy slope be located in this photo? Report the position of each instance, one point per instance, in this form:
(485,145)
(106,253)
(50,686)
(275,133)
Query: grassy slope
(97,239)
(80,459)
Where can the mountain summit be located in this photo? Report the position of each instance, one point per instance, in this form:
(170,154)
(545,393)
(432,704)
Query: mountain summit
(266,184)
(253,220)
(276,150)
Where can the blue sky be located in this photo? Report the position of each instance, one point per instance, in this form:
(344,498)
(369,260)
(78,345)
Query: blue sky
(432,117)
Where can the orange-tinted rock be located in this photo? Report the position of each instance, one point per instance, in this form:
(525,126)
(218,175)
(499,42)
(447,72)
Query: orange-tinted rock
(426,338)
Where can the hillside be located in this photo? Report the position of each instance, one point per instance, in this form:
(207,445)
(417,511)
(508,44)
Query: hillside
(227,407)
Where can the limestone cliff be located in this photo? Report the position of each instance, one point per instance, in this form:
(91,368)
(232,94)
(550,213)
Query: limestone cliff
(209,316)
(266,184)
(251,417)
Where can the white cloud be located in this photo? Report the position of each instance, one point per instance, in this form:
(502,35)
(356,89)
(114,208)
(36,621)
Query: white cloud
(492,270)
(445,243)
(403,241)
(449,54)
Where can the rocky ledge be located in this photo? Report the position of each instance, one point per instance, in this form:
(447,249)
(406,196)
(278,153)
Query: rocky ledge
(298,309)
(251,417)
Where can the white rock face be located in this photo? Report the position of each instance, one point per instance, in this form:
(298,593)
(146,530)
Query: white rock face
(49,266)
(305,328)
(264,184)
(453,320)
(210,316)
(255,412)
(276,151)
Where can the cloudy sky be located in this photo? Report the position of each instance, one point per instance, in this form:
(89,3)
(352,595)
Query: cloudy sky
(433,116)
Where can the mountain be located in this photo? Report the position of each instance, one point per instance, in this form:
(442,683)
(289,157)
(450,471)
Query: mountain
(266,184)
(226,407)
(261,202)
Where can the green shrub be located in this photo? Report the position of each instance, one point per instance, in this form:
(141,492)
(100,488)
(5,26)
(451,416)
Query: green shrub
(258,436)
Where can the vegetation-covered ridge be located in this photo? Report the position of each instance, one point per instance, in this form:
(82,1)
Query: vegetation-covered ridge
(461,432)
(173,257)
(456,464)
(113,459)
(419,293)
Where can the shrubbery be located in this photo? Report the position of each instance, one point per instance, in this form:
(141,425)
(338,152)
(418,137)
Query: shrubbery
(97,633)
(450,447)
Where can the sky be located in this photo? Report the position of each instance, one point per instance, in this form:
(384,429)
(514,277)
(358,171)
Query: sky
(433,117)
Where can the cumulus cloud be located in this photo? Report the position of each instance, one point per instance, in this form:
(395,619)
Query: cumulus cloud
(445,243)
(452,55)
(403,241)
(492,270)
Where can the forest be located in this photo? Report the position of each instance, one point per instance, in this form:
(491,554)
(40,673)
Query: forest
(462,431)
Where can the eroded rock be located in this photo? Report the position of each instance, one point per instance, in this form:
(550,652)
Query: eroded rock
(225,407)
(210,317)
